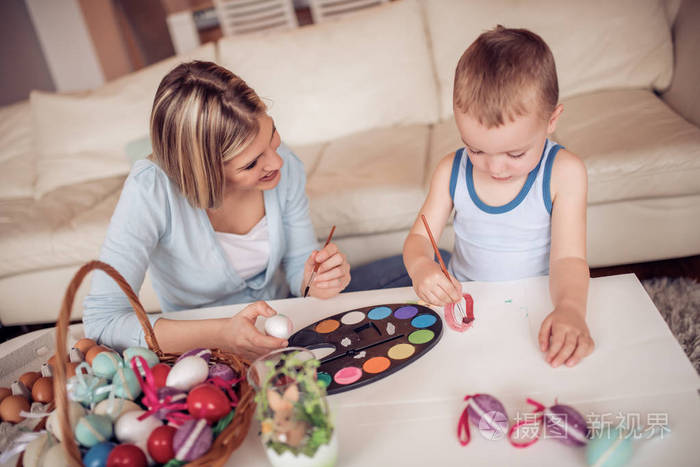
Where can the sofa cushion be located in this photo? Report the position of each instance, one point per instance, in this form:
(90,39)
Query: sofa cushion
(17,156)
(369,70)
(65,228)
(633,144)
(83,136)
(369,182)
(597,44)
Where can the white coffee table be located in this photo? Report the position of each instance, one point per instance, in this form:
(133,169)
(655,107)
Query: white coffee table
(410,417)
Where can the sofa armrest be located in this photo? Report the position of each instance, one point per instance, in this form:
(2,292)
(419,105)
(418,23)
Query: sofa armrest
(684,94)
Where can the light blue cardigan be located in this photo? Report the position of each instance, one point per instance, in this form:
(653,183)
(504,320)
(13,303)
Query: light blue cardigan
(154,226)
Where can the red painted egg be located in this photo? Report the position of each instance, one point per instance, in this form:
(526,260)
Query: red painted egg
(126,455)
(209,402)
(160,373)
(160,443)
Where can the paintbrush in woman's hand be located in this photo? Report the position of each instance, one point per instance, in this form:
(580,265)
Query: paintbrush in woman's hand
(313,273)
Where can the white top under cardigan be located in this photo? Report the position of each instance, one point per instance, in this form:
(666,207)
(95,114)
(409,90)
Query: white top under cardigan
(154,227)
(248,253)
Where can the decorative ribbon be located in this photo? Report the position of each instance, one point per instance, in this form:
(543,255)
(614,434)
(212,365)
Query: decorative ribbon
(19,444)
(150,398)
(85,387)
(537,420)
(463,425)
(227,386)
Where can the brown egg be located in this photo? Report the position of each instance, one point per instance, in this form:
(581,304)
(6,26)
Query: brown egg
(11,406)
(84,345)
(4,392)
(29,378)
(43,390)
(52,360)
(92,353)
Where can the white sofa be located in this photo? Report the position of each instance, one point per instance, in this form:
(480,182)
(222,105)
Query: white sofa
(366,103)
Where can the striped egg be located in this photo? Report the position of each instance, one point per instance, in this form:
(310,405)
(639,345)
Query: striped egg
(93,429)
(489,415)
(566,424)
(201,353)
(192,440)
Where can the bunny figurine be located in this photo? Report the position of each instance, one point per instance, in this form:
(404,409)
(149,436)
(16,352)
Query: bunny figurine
(286,428)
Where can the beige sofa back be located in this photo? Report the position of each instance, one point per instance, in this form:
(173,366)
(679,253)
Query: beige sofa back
(329,80)
(597,44)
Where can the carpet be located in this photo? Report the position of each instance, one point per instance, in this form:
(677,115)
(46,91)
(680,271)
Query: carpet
(678,300)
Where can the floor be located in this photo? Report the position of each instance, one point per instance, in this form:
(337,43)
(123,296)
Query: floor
(681,267)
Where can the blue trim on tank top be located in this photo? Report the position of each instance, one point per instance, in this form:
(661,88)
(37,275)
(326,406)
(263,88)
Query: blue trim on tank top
(455,172)
(514,202)
(546,180)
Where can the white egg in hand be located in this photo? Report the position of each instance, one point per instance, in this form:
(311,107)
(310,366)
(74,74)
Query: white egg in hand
(279,326)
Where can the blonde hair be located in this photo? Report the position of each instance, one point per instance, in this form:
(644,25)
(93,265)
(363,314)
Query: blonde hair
(502,72)
(203,115)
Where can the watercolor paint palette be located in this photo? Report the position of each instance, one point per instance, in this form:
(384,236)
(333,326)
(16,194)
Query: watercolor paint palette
(364,345)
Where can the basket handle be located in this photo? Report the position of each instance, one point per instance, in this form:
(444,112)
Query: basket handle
(59,382)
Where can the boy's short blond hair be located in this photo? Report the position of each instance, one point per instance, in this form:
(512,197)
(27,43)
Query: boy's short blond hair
(203,115)
(502,74)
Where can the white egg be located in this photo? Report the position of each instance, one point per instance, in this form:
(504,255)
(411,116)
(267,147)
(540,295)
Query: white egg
(187,373)
(279,326)
(75,413)
(114,408)
(129,429)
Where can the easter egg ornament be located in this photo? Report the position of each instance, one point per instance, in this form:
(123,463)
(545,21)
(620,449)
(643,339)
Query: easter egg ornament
(279,326)
(611,447)
(127,455)
(147,354)
(93,429)
(160,374)
(75,413)
(222,371)
(98,454)
(566,424)
(160,444)
(208,402)
(114,407)
(187,373)
(125,383)
(199,352)
(105,364)
(129,429)
(486,413)
(35,450)
(192,440)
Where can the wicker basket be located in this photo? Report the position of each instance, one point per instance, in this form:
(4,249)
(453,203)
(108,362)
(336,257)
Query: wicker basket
(224,444)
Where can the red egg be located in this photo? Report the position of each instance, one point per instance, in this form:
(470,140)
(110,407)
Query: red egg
(209,402)
(126,455)
(160,443)
(160,373)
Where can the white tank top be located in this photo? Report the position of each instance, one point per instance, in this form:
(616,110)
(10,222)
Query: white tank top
(248,253)
(499,243)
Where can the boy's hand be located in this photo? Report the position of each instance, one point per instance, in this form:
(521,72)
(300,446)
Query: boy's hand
(333,273)
(432,286)
(244,339)
(565,337)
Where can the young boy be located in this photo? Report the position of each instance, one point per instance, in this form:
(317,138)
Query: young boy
(519,199)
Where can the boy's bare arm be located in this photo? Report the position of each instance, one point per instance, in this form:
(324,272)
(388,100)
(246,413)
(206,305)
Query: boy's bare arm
(418,252)
(564,334)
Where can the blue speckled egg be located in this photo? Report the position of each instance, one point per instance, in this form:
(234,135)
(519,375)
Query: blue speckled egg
(97,455)
(610,447)
(93,429)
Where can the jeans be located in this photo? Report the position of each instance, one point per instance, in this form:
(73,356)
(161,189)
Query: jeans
(383,273)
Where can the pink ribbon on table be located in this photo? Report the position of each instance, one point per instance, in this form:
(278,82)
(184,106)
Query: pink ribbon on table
(227,386)
(150,398)
(538,419)
(463,424)
(460,326)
